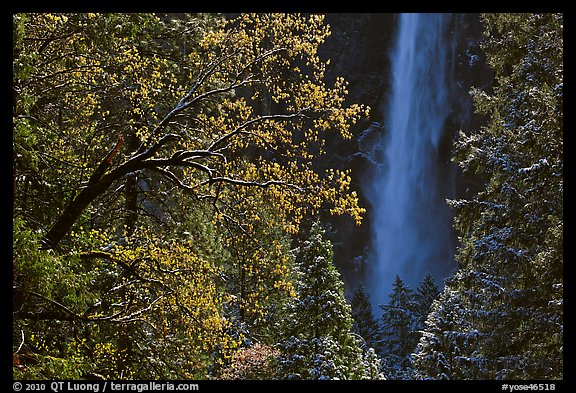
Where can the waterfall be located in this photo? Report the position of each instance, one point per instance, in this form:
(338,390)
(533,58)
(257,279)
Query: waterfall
(411,222)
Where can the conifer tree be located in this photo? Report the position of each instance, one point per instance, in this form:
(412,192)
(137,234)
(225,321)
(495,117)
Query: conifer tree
(319,341)
(365,324)
(501,317)
(398,334)
(439,349)
(426,293)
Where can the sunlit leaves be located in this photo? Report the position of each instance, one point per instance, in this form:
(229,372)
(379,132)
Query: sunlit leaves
(79,90)
(177,292)
(224,117)
(261,62)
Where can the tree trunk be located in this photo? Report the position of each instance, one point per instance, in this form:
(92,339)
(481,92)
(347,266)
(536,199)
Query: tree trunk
(131,190)
(97,184)
(72,213)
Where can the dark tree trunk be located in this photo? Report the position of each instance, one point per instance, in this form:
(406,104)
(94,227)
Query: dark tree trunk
(131,190)
(142,159)
(97,184)
(72,213)
(131,205)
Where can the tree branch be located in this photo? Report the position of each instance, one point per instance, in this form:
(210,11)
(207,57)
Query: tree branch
(143,158)
(246,183)
(173,178)
(248,123)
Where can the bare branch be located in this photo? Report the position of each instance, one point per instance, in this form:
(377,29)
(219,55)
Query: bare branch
(191,154)
(246,183)
(248,123)
(209,93)
(131,317)
(59,305)
(172,177)
(259,58)
(142,154)
(163,162)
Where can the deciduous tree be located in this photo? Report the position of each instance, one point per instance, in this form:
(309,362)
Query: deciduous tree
(123,141)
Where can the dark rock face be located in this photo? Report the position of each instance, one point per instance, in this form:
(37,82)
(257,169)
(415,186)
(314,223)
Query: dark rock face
(358,49)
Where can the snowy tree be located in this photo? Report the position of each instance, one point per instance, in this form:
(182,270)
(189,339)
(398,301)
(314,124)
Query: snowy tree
(320,343)
(447,344)
(426,293)
(434,355)
(372,365)
(365,324)
(503,317)
(399,337)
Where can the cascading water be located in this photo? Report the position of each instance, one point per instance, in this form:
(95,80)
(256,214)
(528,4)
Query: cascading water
(411,222)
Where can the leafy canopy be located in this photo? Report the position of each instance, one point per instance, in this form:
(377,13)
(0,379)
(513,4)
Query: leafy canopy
(144,160)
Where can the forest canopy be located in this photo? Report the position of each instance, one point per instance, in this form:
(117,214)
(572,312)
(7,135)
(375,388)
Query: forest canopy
(500,315)
(161,168)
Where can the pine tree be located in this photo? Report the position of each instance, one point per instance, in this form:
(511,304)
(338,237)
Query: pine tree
(446,334)
(504,306)
(426,293)
(399,337)
(319,341)
(365,324)
(372,365)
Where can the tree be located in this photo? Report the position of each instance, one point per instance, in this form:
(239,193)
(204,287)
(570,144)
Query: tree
(74,88)
(510,260)
(123,142)
(365,324)
(398,334)
(258,277)
(184,140)
(425,295)
(442,340)
(319,342)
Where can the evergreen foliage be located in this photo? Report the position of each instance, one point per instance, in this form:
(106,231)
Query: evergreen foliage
(398,333)
(319,341)
(365,324)
(501,315)
(164,183)
(424,296)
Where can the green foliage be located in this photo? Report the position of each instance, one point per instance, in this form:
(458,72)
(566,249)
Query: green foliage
(399,336)
(438,351)
(509,321)
(319,342)
(424,296)
(257,277)
(365,324)
(49,294)
(160,171)
(401,324)
(320,291)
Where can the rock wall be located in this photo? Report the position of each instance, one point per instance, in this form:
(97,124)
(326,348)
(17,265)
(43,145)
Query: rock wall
(358,49)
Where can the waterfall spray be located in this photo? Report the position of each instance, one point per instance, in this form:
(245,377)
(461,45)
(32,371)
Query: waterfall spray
(411,223)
